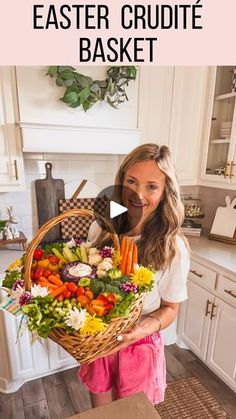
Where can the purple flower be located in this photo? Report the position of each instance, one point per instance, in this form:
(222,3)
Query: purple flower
(106,252)
(25,298)
(18,282)
(79,241)
(128,287)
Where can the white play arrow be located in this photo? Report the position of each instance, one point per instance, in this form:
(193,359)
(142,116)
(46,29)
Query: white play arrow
(116,209)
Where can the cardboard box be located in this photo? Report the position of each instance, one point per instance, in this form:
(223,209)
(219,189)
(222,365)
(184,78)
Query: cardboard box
(136,406)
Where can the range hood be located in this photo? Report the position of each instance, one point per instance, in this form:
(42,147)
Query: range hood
(43,138)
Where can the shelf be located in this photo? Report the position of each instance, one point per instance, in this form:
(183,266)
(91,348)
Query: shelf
(226,96)
(220,141)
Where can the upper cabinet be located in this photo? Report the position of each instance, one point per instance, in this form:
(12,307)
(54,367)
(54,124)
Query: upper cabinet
(11,159)
(171,101)
(218,164)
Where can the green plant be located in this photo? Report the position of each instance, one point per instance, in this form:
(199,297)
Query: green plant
(2,224)
(83,91)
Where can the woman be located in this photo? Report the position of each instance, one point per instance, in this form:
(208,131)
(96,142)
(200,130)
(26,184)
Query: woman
(138,362)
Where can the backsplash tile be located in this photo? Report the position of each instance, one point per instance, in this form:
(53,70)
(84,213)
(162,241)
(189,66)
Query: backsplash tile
(213,198)
(99,170)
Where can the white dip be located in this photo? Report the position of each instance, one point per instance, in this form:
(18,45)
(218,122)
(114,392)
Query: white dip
(80,270)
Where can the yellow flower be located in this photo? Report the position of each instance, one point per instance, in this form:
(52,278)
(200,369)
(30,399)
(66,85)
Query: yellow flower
(92,325)
(142,277)
(116,258)
(16,264)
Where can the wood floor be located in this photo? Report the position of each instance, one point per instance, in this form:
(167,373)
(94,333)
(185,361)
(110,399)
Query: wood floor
(61,395)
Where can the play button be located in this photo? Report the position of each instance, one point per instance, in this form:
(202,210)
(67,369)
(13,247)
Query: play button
(116,209)
(121,206)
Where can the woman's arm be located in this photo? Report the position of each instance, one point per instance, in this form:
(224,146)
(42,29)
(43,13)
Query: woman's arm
(152,322)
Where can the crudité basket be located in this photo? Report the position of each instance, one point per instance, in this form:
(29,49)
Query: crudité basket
(84,348)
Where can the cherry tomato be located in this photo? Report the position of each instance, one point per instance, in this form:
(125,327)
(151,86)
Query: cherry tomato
(80,291)
(38,273)
(67,294)
(32,273)
(38,253)
(72,287)
(46,273)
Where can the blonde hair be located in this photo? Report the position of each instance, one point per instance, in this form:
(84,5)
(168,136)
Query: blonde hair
(158,244)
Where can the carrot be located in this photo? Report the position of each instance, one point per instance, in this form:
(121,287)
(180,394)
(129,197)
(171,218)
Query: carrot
(128,263)
(48,285)
(135,257)
(55,280)
(123,245)
(129,258)
(124,256)
(58,291)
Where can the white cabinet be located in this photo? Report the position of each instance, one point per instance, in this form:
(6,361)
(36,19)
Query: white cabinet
(221,354)
(218,165)
(11,159)
(207,320)
(171,103)
(196,324)
(21,360)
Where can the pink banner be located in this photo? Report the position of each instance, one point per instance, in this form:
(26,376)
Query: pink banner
(34,32)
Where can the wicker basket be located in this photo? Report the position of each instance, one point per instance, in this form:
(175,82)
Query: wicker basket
(85,349)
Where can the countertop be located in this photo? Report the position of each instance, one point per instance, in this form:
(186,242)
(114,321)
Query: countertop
(220,254)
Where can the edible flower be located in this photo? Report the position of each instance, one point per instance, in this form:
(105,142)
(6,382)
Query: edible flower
(92,325)
(71,243)
(142,278)
(25,298)
(76,318)
(38,291)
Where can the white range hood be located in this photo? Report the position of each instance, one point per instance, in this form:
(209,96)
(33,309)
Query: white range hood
(67,139)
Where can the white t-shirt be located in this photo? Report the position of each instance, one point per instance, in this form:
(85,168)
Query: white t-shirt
(170,284)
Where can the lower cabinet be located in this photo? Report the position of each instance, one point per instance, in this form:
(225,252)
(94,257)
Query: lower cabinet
(196,324)
(221,354)
(21,360)
(207,324)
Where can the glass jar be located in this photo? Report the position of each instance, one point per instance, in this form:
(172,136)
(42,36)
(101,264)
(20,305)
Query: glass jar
(193,207)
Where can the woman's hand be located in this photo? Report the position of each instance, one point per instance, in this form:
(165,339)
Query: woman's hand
(148,325)
(145,327)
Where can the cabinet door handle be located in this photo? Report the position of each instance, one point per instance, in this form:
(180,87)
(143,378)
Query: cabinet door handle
(231,293)
(212,311)
(16,170)
(207,308)
(231,174)
(195,273)
(227,170)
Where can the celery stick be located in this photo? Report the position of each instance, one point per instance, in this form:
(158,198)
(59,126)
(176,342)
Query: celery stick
(58,254)
(69,255)
(83,251)
(78,252)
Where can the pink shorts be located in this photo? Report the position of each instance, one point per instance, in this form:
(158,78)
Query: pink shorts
(139,367)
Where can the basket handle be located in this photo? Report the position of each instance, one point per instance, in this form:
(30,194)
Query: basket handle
(54,221)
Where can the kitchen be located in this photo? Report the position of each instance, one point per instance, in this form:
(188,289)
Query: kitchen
(177,106)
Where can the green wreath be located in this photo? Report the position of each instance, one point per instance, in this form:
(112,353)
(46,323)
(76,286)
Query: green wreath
(83,91)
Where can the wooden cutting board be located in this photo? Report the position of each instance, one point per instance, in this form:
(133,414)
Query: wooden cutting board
(48,192)
(224,223)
